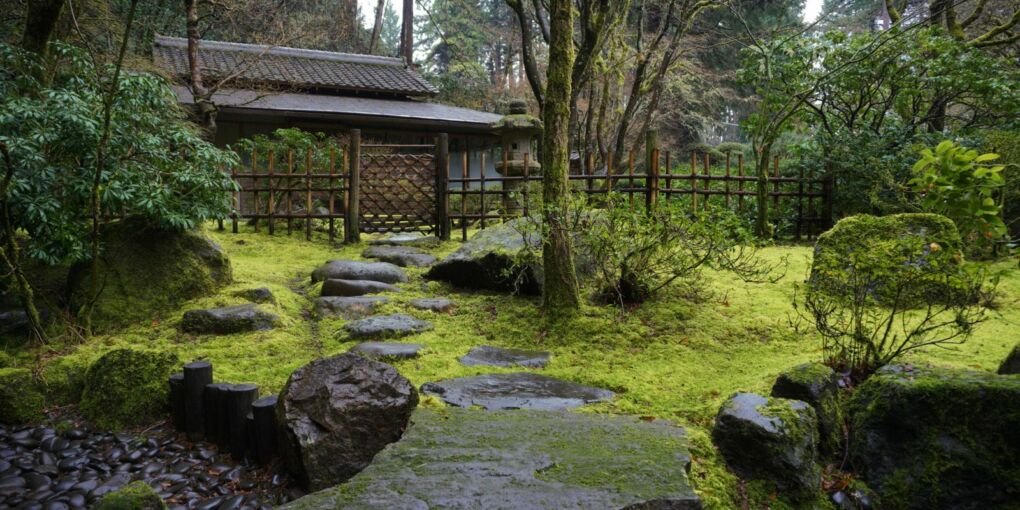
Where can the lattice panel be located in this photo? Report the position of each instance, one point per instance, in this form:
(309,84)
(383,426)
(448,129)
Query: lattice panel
(398,192)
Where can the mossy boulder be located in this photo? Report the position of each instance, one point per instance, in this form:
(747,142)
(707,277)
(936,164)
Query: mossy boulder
(493,260)
(145,271)
(773,440)
(63,379)
(126,387)
(881,253)
(1011,365)
(818,385)
(20,398)
(938,438)
(133,496)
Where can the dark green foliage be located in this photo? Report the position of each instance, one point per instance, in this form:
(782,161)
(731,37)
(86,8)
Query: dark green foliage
(937,438)
(146,271)
(20,398)
(1007,145)
(136,495)
(126,387)
(636,253)
(880,287)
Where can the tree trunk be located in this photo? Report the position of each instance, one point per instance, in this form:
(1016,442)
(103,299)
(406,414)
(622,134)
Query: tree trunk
(10,253)
(373,43)
(407,32)
(560,296)
(207,110)
(40,20)
(761,223)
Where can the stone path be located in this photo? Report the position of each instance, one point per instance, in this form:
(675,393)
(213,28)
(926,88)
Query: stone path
(520,390)
(386,326)
(387,350)
(521,460)
(487,355)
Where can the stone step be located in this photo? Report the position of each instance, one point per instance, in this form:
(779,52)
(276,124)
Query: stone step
(359,270)
(349,288)
(403,256)
(348,307)
(487,355)
(386,326)
(387,350)
(519,390)
(227,320)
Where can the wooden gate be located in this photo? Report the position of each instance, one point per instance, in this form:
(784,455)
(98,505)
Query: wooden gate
(397,188)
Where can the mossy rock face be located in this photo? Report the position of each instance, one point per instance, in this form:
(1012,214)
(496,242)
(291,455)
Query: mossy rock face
(1011,365)
(938,438)
(64,380)
(20,398)
(125,387)
(886,251)
(133,496)
(490,260)
(773,440)
(818,385)
(145,271)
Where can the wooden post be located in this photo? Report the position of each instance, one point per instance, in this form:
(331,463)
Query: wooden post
(352,224)
(331,184)
(263,413)
(236,200)
(465,186)
(237,403)
(288,205)
(694,181)
(308,194)
(707,165)
(257,206)
(811,212)
(800,203)
(527,173)
(651,168)
(197,375)
(740,183)
(726,182)
(775,184)
(272,195)
(481,193)
(176,382)
(442,187)
(213,402)
(669,177)
(630,177)
(609,172)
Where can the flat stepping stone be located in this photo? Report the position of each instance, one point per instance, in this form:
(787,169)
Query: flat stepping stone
(403,256)
(407,239)
(487,355)
(521,460)
(387,326)
(438,305)
(348,307)
(387,350)
(358,270)
(338,287)
(519,390)
(257,295)
(228,320)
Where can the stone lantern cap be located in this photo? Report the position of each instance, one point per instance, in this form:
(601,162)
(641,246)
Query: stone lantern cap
(518,120)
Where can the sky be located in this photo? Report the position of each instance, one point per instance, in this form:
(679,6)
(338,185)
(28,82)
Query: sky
(812,8)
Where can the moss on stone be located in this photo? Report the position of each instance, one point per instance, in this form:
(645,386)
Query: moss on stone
(20,398)
(816,384)
(7,361)
(63,379)
(127,387)
(133,496)
(1011,365)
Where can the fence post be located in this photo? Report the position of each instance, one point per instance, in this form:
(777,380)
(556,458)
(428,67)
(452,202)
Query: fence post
(352,223)
(271,210)
(442,183)
(308,194)
(651,168)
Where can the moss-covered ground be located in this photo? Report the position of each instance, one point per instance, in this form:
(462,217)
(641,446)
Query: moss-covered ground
(673,358)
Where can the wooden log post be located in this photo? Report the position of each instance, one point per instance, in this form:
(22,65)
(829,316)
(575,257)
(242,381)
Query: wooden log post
(481,192)
(235,200)
(308,194)
(352,223)
(176,382)
(726,182)
(651,169)
(331,184)
(213,401)
(272,194)
(197,375)
(263,413)
(443,186)
(694,181)
(256,203)
(288,197)
(740,182)
(800,203)
(236,406)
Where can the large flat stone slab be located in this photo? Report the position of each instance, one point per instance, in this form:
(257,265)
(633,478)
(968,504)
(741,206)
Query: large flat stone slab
(521,460)
(519,390)
(348,307)
(228,320)
(338,287)
(407,239)
(438,305)
(386,326)
(403,256)
(387,350)
(358,270)
(488,355)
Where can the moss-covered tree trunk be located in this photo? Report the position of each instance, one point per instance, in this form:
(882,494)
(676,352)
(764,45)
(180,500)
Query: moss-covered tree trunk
(560,288)
(40,20)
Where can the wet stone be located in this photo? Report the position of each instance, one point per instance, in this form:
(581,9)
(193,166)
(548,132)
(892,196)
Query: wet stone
(487,355)
(228,320)
(518,390)
(407,239)
(438,305)
(356,270)
(348,288)
(348,307)
(388,350)
(386,326)
(403,256)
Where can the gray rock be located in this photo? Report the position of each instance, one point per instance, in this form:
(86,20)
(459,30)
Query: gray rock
(228,320)
(387,326)
(403,256)
(257,295)
(335,414)
(818,385)
(515,391)
(13,323)
(770,439)
(438,305)
(418,239)
(387,350)
(498,357)
(489,261)
(356,270)
(521,460)
(1011,365)
(337,287)
(350,308)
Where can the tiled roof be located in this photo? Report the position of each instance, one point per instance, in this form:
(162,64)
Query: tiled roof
(293,68)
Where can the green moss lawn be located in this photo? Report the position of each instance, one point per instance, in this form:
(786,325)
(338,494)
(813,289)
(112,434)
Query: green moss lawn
(673,358)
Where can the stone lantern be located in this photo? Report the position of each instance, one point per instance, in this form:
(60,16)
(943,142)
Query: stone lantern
(517,130)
